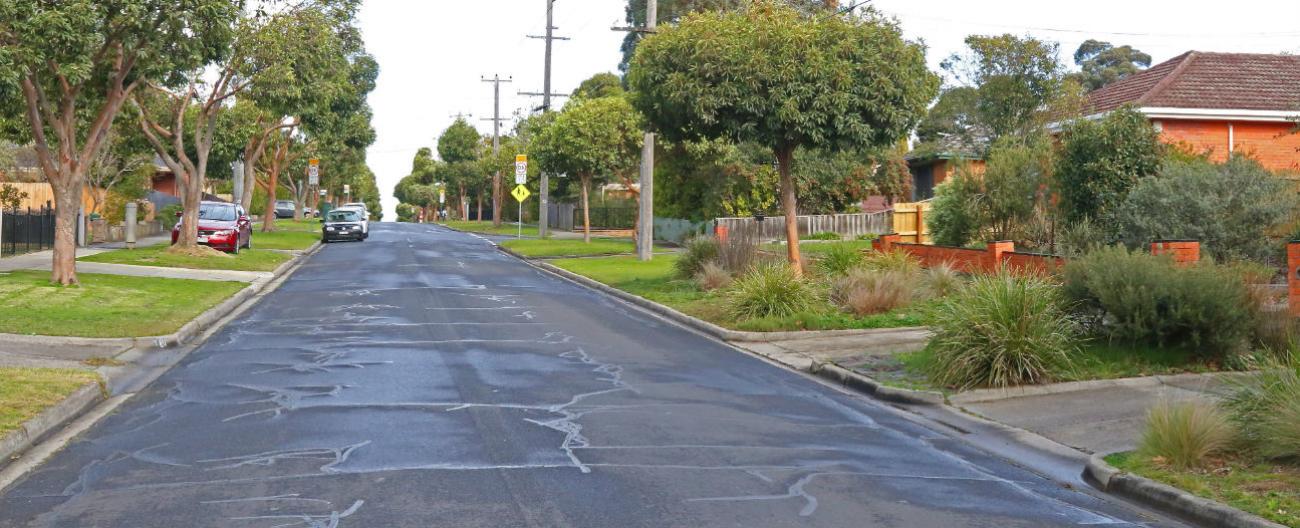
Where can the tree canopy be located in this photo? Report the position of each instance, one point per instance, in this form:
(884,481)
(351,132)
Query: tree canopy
(1014,79)
(1101,160)
(1103,63)
(782,80)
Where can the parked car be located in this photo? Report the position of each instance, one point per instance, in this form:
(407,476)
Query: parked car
(361,212)
(361,206)
(222,226)
(343,224)
(284,208)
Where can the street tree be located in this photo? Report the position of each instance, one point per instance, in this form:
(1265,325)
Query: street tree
(599,85)
(458,147)
(1102,63)
(591,139)
(771,75)
(68,66)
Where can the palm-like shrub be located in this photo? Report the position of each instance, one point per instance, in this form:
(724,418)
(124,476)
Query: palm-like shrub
(770,290)
(696,252)
(1000,330)
(1184,434)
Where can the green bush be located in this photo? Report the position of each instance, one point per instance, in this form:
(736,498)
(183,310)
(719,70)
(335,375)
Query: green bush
(1266,409)
(696,252)
(1184,434)
(1000,330)
(168,215)
(1139,298)
(770,290)
(954,214)
(839,259)
(824,235)
(1228,207)
(1100,160)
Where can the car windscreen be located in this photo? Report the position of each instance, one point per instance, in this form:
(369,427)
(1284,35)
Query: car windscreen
(343,216)
(221,213)
(283,203)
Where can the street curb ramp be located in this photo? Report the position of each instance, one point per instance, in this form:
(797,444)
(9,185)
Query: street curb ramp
(27,435)
(1169,499)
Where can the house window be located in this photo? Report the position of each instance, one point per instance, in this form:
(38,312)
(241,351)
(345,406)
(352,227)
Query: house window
(922,183)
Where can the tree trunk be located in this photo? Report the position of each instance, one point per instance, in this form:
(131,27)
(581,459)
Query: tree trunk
(480,208)
(250,183)
(191,196)
(496,199)
(790,207)
(268,214)
(586,210)
(66,204)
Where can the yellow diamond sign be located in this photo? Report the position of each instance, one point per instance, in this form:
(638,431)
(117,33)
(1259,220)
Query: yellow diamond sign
(521,193)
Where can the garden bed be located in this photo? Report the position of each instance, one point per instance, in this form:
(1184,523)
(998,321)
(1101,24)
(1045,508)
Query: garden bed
(657,281)
(104,305)
(1269,490)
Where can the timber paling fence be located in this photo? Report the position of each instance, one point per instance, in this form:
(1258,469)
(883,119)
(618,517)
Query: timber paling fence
(851,225)
(26,231)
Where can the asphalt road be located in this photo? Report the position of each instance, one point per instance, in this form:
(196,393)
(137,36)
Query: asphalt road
(423,379)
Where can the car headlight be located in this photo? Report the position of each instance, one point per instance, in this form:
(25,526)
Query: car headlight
(225,233)
(329,228)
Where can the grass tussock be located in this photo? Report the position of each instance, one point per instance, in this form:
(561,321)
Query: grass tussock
(1185,434)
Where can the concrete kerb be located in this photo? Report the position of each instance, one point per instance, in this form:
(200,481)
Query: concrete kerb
(91,395)
(1169,499)
(33,430)
(988,395)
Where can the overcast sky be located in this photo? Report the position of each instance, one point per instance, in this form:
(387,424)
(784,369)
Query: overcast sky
(432,53)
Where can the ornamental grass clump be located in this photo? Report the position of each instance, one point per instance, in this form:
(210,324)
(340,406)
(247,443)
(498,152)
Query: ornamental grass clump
(712,277)
(942,280)
(1266,410)
(865,292)
(839,259)
(1000,330)
(1184,434)
(891,261)
(770,290)
(696,252)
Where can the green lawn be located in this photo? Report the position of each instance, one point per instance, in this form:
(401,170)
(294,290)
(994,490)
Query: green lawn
(25,392)
(310,225)
(246,260)
(486,228)
(292,238)
(657,281)
(104,305)
(1267,490)
(553,247)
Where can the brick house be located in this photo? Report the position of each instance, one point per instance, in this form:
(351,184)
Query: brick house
(1217,102)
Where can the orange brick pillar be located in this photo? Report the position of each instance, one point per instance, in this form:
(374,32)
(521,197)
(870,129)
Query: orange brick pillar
(1184,252)
(996,249)
(885,243)
(1293,277)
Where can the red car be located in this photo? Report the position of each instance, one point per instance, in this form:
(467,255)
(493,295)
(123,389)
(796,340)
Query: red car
(222,226)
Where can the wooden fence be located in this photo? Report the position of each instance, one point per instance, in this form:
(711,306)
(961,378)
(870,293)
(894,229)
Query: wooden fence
(773,227)
(40,194)
(910,222)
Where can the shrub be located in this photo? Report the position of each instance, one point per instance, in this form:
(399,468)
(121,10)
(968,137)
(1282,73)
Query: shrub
(712,277)
(168,215)
(954,215)
(1000,330)
(1183,434)
(770,290)
(1101,160)
(942,280)
(865,292)
(824,235)
(896,260)
(839,259)
(696,252)
(1266,409)
(1227,207)
(738,252)
(1149,299)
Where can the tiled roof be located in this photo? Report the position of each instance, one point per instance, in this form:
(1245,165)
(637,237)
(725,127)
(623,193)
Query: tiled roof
(1203,80)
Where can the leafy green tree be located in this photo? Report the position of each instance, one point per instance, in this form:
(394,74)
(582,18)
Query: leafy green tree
(1015,79)
(67,67)
(953,123)
(782,80)
(999,204)
(591,139)
(459,148)
(599,85)
(1103,63)
(1100,160)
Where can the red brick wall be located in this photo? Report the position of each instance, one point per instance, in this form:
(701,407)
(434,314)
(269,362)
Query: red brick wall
(1272,144)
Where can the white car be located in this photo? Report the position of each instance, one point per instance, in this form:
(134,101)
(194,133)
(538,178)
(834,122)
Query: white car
(361,206)
(365,217)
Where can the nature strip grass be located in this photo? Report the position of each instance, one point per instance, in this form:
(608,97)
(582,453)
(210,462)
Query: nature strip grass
(25,392)
(247,260)
(104,305)
(1271,491)
(569,248)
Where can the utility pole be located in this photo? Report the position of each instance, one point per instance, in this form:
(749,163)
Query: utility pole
(645,234)
(543,194)
(496,120)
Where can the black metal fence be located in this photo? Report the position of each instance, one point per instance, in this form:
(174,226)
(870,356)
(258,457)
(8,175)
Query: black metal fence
(26,231)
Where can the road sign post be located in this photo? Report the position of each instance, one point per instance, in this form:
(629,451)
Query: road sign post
(520,193)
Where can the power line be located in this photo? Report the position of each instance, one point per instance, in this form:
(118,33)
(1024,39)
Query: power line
(1104,33)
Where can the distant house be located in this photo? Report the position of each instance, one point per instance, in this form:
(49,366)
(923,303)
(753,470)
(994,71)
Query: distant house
(1217,102)
(929,169)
